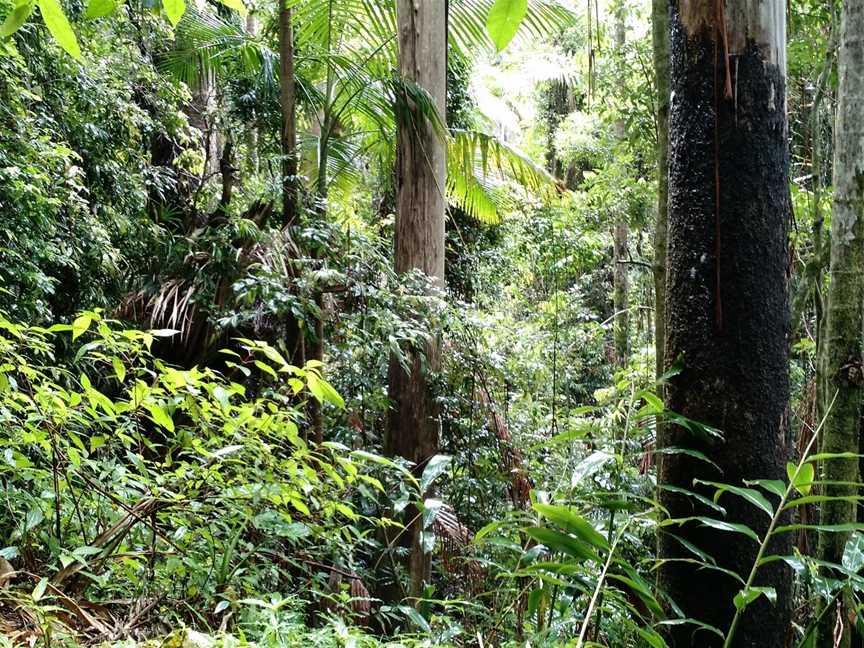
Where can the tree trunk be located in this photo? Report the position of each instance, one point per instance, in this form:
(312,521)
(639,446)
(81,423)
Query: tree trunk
(845,312)
(620,234)
(727,302)
(419,240)
(660,37)
(288,140)
(251,165)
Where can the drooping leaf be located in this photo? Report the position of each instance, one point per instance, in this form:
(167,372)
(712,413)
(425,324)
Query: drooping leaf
(436,466)
(573,523)
(17,17)
(561,542)
(174,10)
(749,594)
(58,25)
(504,20)
(753,496)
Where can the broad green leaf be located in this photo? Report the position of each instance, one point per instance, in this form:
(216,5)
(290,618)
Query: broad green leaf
(749,594)
(436,466)
(801,477)
(119,368)
(573,523)
(561,542)
(61,30)
(160,416)
(505,17)
(174,10)
(39,590)
(853,553)
(17,17)
(82,322)
(589,465)
(100,8)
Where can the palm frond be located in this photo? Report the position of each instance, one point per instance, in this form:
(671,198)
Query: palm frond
(468,34)
(206,45)
(479,164)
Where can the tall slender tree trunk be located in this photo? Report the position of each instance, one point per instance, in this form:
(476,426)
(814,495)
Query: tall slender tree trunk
(620,234)
(660,38)
(252,129)
(727,302)
(288,139)
(844,373)
(419,240)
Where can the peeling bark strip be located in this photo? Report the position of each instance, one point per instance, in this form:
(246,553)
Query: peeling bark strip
(845,312)
(419,241)
(729,210)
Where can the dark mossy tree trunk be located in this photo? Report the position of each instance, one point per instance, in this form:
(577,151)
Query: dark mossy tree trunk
(419,239)
(288,140)
(844,373)
(727,301)
(660,38)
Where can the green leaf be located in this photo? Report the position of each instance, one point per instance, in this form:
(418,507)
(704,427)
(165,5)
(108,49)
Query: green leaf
(572,523)
(853,553)
(589,465)
(119,368)
(504,19)
(753,496)
(39,590)
(801,477)
(17,17)
(82,322)
(561,542)
(720,525)
(236,5)
(749,594)
(61,30)
(652,638)
(160,416)
(174,10)
(100,8)
(775,486)
(436,466)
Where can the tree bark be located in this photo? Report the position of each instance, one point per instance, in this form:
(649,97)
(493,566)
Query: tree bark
(288,139)
(727,302)
(660,38)
(419,240)
(845,312)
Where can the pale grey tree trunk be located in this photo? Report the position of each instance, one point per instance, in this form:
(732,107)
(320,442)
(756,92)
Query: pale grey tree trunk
(845,312)
(620,234)
(419,238)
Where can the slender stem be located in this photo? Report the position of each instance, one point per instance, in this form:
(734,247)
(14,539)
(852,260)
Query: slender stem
(599,588)
(730,634)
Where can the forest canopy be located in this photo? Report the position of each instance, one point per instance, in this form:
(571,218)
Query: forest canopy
(451,323)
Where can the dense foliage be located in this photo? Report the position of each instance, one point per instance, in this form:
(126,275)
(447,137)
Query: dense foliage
(173,471)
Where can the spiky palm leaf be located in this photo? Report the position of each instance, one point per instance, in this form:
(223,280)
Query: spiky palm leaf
(206,45)
(478,167)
